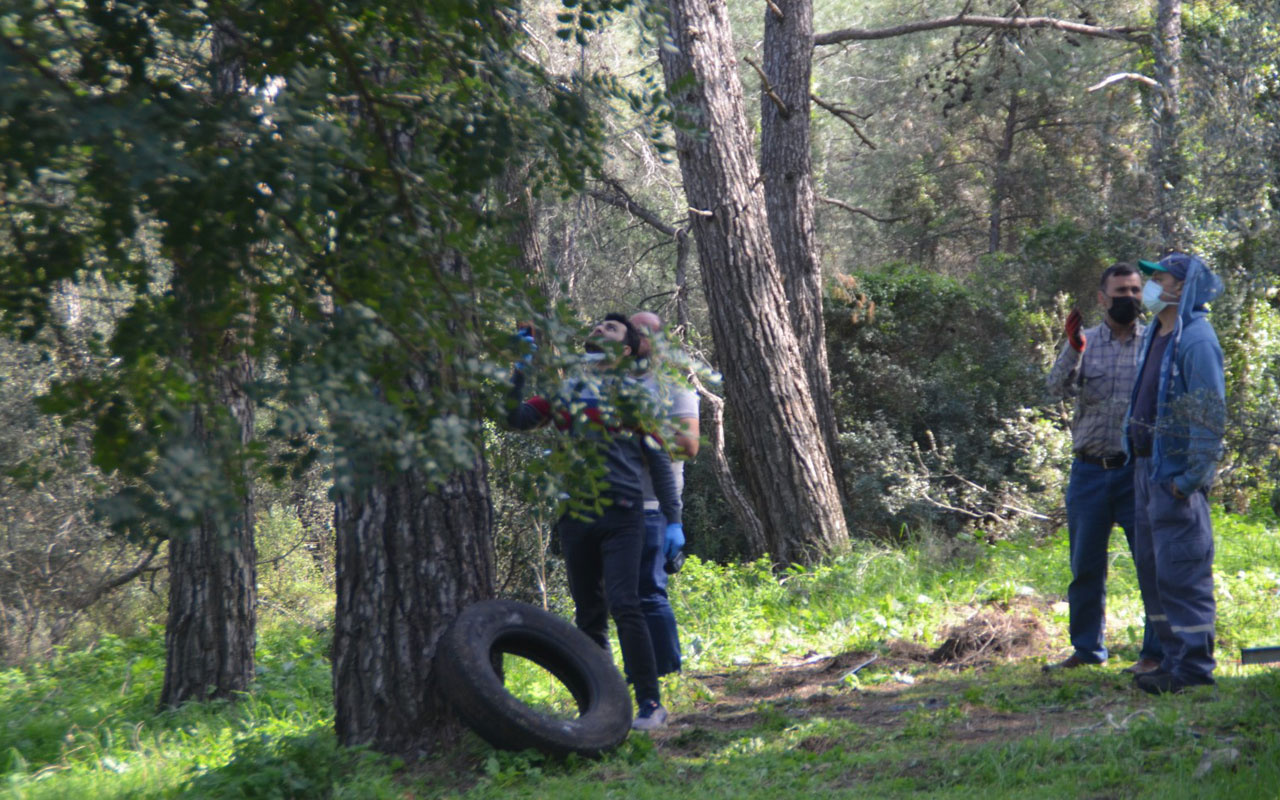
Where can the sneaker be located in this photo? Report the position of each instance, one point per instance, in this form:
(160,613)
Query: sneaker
(1070,662)
(1142,666)
(651,717)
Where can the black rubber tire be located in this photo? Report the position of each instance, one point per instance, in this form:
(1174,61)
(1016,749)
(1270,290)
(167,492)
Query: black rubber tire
(469,669)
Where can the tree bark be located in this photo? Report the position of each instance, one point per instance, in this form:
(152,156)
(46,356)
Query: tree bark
(1000,181)
(789,472)
(1166,156)
(211,629)
(787,169)
(410,557)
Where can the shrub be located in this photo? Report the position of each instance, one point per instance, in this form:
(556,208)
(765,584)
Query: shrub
(934,392)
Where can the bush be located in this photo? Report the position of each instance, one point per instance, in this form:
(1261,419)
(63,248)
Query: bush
(934,390)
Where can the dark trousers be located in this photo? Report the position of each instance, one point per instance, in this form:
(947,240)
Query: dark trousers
(1174,548)
(1098,499)
(602,559)
(653,595)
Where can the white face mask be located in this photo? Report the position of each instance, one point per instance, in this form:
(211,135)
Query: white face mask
(1151,297)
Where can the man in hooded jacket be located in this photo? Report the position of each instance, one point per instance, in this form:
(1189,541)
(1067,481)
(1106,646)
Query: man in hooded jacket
(1174,429)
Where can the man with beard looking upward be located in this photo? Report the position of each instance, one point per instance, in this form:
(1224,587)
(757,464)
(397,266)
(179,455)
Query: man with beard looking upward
(1098,367)
(602,546)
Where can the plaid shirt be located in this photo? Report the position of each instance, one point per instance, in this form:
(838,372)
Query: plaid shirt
(1101,379)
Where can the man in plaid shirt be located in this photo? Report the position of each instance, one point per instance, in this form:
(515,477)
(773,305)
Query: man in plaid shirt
(1098,367)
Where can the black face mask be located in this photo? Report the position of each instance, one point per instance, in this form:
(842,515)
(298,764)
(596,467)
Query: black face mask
(1124,309)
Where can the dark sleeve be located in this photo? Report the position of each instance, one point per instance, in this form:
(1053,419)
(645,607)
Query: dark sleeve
(664,481)
(528,414)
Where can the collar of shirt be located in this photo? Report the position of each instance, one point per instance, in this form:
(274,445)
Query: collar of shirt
(1104,332)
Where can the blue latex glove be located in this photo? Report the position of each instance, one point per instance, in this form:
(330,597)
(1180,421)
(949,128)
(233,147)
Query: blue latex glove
(675,539)
(526,335)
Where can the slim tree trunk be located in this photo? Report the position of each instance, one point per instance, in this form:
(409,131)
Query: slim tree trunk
(1000,181)
(789,472)
(787,170)
(1166,155)
(211,627)
(410,557)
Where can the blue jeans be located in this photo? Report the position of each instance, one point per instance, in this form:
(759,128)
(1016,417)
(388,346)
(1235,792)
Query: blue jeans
(653,595)
(1097,500)
(1174,544)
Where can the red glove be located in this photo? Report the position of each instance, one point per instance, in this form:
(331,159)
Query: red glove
(1074,336)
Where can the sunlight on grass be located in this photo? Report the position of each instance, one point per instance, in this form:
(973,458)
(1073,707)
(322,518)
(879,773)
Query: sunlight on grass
(537,688)
(85,723)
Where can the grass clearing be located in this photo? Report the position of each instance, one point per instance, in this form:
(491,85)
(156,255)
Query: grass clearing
(770,703)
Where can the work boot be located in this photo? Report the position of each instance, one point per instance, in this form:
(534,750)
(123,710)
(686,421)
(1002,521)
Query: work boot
(1070,662)
(1142,666)
(651,717)
(1161,682)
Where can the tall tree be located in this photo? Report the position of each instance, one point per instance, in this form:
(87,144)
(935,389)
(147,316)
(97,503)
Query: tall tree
(338,217)
(210,631)
(1166,153)
(787,170)
(787,463)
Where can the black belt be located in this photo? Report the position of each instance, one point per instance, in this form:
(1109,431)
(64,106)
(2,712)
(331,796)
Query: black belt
(1115,461)
(1142,453)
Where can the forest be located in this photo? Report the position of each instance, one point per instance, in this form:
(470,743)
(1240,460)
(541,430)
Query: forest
(262,268)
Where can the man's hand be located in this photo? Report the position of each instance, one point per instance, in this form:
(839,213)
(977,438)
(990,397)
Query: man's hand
(1074,336)
(674,540)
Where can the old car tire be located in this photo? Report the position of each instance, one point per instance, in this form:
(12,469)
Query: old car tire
(469,663)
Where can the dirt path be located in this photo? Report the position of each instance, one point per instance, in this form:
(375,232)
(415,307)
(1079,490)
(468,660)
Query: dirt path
(911,683)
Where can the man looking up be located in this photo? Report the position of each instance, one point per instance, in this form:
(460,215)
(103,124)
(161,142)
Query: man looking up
(680,405)
(1098,367)
(1174,428)
(602,548)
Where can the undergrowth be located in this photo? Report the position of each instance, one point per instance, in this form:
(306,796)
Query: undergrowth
(85,723)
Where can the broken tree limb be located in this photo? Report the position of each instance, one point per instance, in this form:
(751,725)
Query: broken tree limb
(977,21)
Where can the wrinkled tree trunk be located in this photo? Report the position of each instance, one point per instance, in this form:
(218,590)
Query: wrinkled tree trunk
(1166,154)
(410,557)
(211,627)
(788,469)
(787,170)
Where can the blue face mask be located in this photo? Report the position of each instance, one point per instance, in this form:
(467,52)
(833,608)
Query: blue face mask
(1151,297)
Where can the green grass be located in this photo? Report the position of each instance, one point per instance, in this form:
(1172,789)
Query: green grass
(85,724)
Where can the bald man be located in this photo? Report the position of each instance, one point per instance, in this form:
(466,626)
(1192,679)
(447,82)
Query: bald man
(661,546)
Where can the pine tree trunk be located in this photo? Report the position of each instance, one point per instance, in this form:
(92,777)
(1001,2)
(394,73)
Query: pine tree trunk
(213,575)
(1166,155)
(410,557)
(211,628)
(789,473)
(787,169)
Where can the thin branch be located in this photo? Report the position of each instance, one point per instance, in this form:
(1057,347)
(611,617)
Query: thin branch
(620,199)
(35,64)
(845,115)
(855,210)
(783,108)
(748,520)
(143,566)
(1123,76)
(975,21)
(642,303)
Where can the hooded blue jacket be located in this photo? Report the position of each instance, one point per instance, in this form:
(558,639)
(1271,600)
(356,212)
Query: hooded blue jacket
(1191,394)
